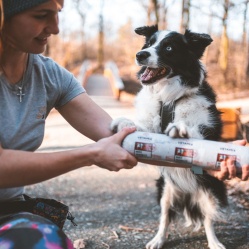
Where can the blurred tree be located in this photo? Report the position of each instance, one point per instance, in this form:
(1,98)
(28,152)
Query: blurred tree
(245,43)
(155,5)
(82,6)
(185,15)
(224,45)
(226,56)
(163,24)
(152,9)
(244,35)
(101,38)
(122,50)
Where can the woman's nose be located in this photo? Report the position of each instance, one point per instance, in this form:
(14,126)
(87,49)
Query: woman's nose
(53,25)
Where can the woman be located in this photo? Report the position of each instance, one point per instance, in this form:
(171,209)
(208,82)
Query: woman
(30,86)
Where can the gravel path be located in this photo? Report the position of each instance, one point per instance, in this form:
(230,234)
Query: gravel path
(119,210)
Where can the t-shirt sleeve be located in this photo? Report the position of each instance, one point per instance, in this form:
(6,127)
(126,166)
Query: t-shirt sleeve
(68,86)
(70,89)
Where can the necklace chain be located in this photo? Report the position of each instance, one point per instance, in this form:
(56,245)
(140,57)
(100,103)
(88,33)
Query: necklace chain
(20,94)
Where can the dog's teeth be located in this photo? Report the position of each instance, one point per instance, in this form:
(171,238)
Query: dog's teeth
(163,71)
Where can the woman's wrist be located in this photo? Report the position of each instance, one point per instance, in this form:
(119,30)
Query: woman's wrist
(88,155)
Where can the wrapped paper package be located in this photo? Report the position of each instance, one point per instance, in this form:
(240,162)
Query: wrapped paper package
(152,147)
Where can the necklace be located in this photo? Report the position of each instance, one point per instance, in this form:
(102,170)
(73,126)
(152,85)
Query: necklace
(20,94)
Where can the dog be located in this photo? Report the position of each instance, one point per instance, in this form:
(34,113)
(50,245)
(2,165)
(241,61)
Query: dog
(177,100)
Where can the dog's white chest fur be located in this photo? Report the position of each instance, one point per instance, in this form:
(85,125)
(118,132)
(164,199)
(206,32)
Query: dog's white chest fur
(190,110)
(148,111)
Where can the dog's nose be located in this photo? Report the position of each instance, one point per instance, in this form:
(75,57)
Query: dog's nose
(142,55)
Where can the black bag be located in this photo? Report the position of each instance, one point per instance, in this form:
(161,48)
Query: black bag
(50,209)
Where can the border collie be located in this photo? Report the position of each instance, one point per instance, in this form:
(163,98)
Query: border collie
(177,100)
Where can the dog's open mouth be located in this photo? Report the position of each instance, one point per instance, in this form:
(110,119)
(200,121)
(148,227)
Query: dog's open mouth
(151,75)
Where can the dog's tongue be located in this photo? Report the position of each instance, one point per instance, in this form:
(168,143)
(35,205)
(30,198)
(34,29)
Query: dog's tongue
(149,73)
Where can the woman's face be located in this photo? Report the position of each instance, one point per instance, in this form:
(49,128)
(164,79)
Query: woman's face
(29,30)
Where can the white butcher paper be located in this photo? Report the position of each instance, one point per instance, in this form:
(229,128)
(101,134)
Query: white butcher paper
(189,152)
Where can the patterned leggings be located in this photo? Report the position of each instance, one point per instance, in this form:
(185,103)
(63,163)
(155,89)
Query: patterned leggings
(29,231)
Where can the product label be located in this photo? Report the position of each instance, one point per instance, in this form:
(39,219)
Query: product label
(223,157)
(143,150)
(184,155)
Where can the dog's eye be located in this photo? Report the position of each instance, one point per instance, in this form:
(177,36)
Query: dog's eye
(169,48)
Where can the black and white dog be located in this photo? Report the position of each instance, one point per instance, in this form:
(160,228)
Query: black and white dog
(177,100)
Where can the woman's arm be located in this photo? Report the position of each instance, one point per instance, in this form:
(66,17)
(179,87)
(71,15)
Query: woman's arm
(19,168)
(87,117)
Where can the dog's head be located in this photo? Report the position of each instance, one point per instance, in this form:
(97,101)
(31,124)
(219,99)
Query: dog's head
(166,54)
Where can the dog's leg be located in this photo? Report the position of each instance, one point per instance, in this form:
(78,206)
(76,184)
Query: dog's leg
(160,238)
(213,242)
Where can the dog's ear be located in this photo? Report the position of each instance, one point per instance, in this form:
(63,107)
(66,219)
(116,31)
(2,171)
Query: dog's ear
(147,30)
(197,42)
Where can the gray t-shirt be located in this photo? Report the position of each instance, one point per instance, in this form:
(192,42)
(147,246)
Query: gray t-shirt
(46,85)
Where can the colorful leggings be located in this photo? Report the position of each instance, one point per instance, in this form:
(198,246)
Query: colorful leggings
(29,231)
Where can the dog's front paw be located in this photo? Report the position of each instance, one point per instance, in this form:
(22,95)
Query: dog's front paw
(119,123)
(156,243)
(178,129)
(216,245)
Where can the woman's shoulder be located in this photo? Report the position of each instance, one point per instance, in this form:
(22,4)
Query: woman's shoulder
(48,65)
(45,61)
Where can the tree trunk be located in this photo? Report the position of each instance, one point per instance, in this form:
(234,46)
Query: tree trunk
(210,17)
(101,44)
(185,15)
(101,40)
(153,8)
(224,45)
(149,11)
(156,10)
(245,46)
(164,10)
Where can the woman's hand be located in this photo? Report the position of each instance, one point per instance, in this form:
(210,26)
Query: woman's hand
(110,155)
(228,169)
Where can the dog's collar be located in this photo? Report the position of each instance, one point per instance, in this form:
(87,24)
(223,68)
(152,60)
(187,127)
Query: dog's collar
(167,113)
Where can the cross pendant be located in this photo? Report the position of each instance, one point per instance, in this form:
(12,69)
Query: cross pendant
(20,94)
